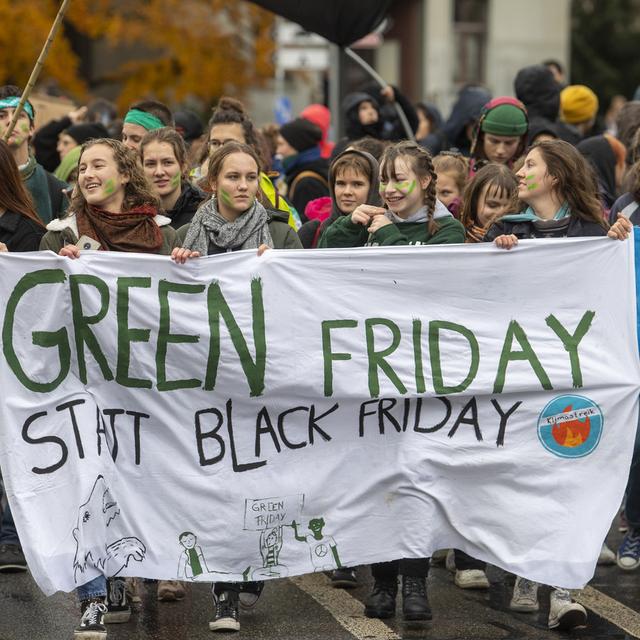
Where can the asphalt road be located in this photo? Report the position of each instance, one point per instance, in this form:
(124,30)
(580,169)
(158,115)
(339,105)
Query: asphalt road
(308,608)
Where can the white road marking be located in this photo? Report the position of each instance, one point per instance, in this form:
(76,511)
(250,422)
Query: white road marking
(344,608)
(611,610)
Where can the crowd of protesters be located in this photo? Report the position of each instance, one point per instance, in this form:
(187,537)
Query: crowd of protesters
(538,164)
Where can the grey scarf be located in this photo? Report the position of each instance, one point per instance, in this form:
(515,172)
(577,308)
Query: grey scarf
(249,231)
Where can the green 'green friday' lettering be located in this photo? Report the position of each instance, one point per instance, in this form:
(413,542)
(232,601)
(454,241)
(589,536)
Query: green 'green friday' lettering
(526,353)
(254,370)
(59,338)
(165,337)
(81,324)
(377,358)
(127,335)
(571,342)
(436,363)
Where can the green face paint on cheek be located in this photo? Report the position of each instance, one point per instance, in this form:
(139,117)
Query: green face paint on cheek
(405,186)
(109,187)
(225,197)
(532,186)
(175,181)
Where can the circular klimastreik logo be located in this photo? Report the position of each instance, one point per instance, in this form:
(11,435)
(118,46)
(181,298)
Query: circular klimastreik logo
(570,426)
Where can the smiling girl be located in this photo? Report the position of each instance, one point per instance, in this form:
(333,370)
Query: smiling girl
(112,204)
(413,215)
(164,160)
(491,194)
(561,193)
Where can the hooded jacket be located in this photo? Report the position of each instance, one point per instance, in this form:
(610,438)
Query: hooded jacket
(311,232)
(536,87)
(354,129)
(600,154)
(465,111)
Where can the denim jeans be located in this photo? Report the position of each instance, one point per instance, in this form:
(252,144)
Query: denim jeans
(96,588)
(632,506)
(8,533)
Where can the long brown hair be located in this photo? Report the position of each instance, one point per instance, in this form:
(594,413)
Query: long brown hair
(576,180)
(502,182)
(13,194)
(420,161)
(137,192)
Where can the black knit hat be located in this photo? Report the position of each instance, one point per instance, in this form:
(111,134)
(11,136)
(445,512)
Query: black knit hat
(301,134)
(83,132)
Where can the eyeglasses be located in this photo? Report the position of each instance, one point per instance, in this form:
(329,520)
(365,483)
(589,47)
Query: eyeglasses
(216,144)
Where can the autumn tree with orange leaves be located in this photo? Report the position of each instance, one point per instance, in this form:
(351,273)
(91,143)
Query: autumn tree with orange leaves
(179,48)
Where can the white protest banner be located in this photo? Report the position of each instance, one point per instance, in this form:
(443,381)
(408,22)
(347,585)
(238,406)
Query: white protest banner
(241,418)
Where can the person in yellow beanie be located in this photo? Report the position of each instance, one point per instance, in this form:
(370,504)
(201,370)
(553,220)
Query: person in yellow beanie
(578,108)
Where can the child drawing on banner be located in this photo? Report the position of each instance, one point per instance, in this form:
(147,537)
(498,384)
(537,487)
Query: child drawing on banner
(270,547)
(192,563)
(322,548)
(95,546)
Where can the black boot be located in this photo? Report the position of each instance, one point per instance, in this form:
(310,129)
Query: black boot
(415,605)
(382,601)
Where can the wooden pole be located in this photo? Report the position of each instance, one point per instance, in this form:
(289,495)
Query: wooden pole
(33,78)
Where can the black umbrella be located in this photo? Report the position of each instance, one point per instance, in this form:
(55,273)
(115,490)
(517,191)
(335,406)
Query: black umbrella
(338,21)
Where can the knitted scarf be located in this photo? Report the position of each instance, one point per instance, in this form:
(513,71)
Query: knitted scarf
(134,230)
(475,233)
(248,231)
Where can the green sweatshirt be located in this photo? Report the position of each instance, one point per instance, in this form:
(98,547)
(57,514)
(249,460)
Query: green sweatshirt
(344,233)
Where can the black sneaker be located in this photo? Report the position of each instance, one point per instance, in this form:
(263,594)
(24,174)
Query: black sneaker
(91,625)
(344,578)
(226,616)
(382,601)
(118,609)
(12,559)
(250,593)
(415,605)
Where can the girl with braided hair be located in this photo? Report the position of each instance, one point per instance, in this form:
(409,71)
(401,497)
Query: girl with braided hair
(412,216)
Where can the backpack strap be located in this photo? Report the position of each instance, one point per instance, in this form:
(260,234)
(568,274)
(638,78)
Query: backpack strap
(306,174)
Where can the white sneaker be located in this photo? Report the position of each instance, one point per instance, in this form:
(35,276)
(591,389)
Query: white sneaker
(606,555)
(564,613)
(525,596)
(471,579)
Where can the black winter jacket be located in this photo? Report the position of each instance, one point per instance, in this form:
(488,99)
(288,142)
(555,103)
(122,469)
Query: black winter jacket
(186,206)
(19,233)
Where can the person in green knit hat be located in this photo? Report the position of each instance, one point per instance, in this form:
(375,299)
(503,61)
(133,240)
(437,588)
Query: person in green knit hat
(46,191)
(412,216)
(67,170)
(501,133)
